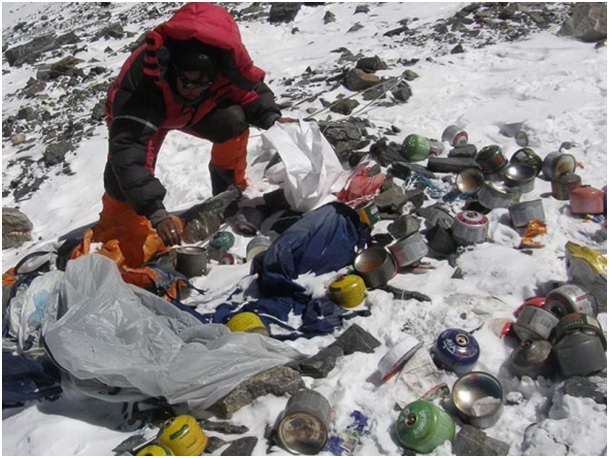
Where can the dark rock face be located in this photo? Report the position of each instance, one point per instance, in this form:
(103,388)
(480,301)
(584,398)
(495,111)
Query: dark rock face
(283,12)
(471,441)
(588,22)
(31,51)
(16,228)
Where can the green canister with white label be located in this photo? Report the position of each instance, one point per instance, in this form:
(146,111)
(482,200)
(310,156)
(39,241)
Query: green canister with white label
(422,426)
(418,148)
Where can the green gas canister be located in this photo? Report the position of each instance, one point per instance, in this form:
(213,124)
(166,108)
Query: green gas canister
(417,148)
(422,426)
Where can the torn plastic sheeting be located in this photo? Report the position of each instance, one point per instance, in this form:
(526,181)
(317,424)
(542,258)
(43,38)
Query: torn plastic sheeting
(126,337)
(311,171)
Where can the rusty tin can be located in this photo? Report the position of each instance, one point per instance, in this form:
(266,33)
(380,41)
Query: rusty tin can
(557,164)
(564,184)
(491,161)
(580,345)
(305,423)
(534,323)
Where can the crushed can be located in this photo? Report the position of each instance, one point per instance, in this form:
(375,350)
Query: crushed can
(455,350)
(523,212)
(532,358)
(534,323)
(183,436)
(394,360)
(408,250)
(304,425)
(470,227)
(422,426)
(579,345)
(571,298)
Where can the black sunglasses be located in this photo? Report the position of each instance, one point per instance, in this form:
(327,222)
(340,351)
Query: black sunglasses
(193,84)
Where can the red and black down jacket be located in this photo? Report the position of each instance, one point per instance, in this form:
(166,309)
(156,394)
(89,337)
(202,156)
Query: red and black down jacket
(141,105)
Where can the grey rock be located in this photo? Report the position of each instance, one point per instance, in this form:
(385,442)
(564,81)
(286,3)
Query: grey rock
(404,226)
(583,387)
(457,50)
(223,427)
(64,67)
(283,12)
(395,32)
(471,441)
(450,164)
(26,113)
(55,153)
(355,27)
(440,240)
(391,200)
(31,51)
(329,17)
(362,9)
(99,111)
(402,92)
(214,443)
(404,295)
(344,107)
(387,153)
(463,150)
(16,228)
(320,364)
(111,31)
(409,75)
(588,22)
(243,446)
(371,64)
(277,381)
(357,80)
(356,339)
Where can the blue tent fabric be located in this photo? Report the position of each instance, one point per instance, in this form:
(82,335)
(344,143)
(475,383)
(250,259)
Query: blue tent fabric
(25,380)
(323,240)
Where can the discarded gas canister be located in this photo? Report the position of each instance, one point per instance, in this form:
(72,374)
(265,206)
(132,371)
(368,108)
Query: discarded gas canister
(230,258)
(247,322)
(408,250)
(469,180)
(470,227)
(534,323)
(454,135)
(368,213)
(422,426)
(557,164)
(520,176)
(183,436)
(305,422)
(417,148)
(393,361)
(529,157)
(571,298)
(455,350)
(491,161)
(580,345)
(155,450)
(523,212)
(532,358)
(375,265)
(587,200)
(348,291)
(564,184)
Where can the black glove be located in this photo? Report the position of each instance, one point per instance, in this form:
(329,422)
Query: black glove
(221,179)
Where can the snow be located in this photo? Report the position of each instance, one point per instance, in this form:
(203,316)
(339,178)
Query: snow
(556,86)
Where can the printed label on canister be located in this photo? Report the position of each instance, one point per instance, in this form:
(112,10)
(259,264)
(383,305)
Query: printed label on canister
(247,322)
(534,323)
(470,227)
(369,213)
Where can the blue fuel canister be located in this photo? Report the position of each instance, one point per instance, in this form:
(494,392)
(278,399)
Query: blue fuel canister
(456,350)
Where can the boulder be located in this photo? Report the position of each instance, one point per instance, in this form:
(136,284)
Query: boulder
(588,22)
(16,228)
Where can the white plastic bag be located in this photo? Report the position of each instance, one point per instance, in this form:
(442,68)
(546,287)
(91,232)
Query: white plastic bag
(311,171)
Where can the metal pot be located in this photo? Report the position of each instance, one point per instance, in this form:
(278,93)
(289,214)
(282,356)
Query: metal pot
(191,261)
(408,250)
(470,180)
(375,265)
(557,164)
(491,160)
(532,358)
(257,245)
(521,176)
(529,157)
(478,399)
(495,195)
(564,184)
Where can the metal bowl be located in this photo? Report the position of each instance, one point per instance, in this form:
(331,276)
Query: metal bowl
(470,180)
(478,398)
(375,265)
(521,176)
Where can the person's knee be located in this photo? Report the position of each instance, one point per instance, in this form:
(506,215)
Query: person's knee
(228,125)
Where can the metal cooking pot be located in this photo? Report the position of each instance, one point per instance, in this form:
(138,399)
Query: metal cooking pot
(521,176)
(470,180)
(478,398)
(375,265)
(557,164)
(408,250)
(495,195)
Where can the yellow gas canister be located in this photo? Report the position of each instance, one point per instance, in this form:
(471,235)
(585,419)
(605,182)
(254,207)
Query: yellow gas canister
(155,450)
(247,322)
(348,291)
(183,436)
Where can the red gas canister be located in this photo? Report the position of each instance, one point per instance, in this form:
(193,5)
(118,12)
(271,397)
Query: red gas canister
(587,200)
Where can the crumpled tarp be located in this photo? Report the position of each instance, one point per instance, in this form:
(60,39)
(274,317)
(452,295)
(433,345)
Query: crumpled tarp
(118,342)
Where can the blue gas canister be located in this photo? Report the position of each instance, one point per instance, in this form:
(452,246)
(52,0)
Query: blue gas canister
(456,350)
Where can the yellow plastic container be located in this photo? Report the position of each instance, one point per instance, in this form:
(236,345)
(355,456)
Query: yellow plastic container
(247,322)
(155,450)
(183,436)
(348,291)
